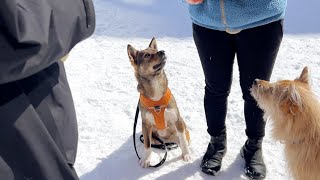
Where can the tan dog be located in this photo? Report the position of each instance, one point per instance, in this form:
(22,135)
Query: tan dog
(294,111)
(148,67)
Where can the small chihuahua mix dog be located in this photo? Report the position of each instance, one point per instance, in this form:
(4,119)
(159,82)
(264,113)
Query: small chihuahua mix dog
(159,112)
(294,111)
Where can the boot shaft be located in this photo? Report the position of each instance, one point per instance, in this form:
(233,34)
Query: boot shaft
(253,144)
(252,148)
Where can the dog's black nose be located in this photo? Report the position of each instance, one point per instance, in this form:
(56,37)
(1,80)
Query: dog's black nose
(255,82)
(161,52)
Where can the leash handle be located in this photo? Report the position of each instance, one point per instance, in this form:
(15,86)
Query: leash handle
(158,139)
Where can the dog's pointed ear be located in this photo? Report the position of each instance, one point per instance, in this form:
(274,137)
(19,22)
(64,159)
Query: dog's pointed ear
(153,44)
(132,53)
(304,76)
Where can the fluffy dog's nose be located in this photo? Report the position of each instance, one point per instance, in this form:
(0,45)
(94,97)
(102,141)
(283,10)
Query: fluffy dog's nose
(255,82)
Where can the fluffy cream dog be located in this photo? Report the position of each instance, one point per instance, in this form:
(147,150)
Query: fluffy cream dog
(294,111)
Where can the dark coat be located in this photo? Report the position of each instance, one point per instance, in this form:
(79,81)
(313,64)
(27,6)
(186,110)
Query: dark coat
(38,126)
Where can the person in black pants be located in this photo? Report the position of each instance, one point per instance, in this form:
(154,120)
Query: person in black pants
(256,51)
(255,43)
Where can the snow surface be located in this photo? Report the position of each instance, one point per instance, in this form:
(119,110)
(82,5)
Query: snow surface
(105,95)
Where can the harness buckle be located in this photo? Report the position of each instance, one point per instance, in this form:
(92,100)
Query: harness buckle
(156,109)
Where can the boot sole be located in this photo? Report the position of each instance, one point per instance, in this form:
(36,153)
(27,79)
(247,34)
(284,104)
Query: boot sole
(209,171)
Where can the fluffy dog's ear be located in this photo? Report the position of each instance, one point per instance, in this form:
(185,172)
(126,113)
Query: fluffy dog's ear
(294,95)
(132,53)
(292,103)
(304,76)
(153,44)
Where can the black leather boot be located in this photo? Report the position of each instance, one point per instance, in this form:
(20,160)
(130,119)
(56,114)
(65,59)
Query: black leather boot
(217,148)
(251,152)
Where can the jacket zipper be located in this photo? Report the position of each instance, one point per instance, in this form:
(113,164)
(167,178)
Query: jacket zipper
(224,19)
(223,15)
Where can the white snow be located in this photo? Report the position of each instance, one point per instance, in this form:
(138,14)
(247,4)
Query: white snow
(105,94)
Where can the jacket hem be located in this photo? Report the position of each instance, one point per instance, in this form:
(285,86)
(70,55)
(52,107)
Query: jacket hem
(240,28)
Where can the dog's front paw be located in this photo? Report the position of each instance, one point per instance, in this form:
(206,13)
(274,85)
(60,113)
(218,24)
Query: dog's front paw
(145,160)
(186,157)
(144,163)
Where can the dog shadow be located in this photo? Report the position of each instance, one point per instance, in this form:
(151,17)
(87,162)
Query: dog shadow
(123,165)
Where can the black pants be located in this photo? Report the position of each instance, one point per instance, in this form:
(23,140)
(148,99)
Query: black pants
(256,51)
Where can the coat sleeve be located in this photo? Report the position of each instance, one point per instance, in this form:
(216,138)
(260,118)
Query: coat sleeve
(36,33)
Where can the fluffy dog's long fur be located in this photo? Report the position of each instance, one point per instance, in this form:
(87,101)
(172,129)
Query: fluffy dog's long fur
(294,111)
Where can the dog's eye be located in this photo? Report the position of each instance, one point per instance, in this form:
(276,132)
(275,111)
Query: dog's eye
(147,55)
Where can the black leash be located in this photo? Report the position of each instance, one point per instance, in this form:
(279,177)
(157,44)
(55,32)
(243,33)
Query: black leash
(159,146)
(169,145)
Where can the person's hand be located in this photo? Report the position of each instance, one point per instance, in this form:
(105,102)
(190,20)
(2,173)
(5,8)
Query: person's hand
(194,1)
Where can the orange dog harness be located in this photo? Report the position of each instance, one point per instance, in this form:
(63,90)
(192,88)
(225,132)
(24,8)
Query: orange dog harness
(157,108)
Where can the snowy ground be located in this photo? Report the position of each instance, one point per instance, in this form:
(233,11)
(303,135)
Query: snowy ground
(105,95)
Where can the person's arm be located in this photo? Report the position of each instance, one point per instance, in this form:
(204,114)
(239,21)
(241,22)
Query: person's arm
(36,33)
